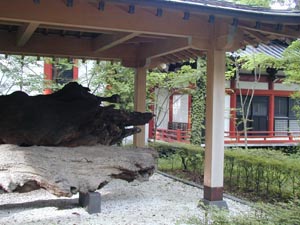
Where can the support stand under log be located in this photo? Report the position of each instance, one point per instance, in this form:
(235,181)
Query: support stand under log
(91,201)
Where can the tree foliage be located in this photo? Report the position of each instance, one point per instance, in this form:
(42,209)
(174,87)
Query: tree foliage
(290,62)
(106,78)
(19,73)
(198,104)
(290,4)
(171,82)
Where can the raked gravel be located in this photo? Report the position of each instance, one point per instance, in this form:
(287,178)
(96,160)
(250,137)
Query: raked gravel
(160,201)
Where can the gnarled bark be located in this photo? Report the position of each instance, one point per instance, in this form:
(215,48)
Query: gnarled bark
(65,171)
(70,117)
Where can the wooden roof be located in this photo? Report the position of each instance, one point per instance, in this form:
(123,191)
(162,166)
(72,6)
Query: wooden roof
(138,32)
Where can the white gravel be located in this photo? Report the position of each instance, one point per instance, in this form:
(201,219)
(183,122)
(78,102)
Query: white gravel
(156,202)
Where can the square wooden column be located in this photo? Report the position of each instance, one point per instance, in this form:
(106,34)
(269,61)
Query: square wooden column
(214,130)
(140,102)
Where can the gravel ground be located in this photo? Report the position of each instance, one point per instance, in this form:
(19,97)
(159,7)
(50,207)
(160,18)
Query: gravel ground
(156,202)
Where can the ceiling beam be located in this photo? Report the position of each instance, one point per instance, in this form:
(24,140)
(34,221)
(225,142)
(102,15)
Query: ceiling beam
(25,32)
(85,15)
(271,29)
(231,41)
(163,47)
(104,42)
(259,36)
(58,46)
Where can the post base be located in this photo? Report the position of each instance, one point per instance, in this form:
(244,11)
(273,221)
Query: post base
(91,201)
(221,204)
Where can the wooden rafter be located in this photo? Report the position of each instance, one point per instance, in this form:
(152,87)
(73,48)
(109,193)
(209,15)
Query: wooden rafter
(48,45)
(272,29)
(163,47)
(104,32)
(104,42)
(52,13)
(259,36)
(25,32)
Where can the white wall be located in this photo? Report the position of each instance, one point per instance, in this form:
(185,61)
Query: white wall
(286,87)
(249,85)
(162,107)
(180,108)
(227,113)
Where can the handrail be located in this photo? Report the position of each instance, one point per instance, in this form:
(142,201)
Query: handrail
(234,137)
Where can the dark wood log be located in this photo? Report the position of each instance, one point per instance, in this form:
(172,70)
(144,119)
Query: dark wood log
(64,171)
(70,117)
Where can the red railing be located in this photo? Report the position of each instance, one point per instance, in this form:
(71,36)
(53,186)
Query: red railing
(231,138)
(262,137)
(173,135)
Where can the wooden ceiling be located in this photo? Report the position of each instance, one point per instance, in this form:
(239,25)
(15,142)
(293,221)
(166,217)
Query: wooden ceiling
(139,33)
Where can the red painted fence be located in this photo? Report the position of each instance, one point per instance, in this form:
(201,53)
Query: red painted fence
(232,138)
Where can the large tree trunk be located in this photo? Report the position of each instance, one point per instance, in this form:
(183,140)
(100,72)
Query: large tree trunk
(65,171)
(70,117)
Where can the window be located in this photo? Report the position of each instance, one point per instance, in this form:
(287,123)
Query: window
(284,116)
(281,107)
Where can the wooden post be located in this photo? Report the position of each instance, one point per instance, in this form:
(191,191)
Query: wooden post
(214,137)
(178,135)
(140,102)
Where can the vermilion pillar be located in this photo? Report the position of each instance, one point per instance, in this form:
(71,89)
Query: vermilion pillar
(48,78)
(214,135)
(140,102)
(271,107)
(75,69)
(190,112)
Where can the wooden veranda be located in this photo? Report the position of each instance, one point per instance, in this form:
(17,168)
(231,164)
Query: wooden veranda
(142,35)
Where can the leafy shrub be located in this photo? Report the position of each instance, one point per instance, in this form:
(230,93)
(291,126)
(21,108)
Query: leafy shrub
(257,173)
(191,156)
(260,213)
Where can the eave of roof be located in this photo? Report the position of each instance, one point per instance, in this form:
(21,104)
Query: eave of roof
(225,9)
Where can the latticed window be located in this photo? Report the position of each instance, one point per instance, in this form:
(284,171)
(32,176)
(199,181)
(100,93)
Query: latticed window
(285,118)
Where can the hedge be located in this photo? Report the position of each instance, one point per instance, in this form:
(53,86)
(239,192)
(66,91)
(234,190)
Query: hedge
(265,173)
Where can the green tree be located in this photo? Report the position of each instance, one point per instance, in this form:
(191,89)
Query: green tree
(171,82)
(19,73)
(290,64)
(106,78)
(255,63)
(198,104)
(290,4)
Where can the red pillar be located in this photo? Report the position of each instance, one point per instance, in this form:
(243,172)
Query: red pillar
(151,123)
(271,113)
(48,77)
(75,69)
(189,126)
(271,108)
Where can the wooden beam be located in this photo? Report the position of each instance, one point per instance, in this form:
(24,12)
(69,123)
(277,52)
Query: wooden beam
(259,36)
(25,32)
(249,41)
(271,29)
(230,41)
(104,42)
(201,43)
(163,47)
(47,45)
(86,15)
